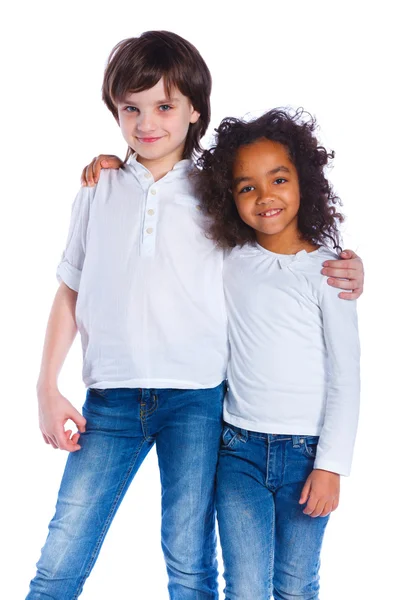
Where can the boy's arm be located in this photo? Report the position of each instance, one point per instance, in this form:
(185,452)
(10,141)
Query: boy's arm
(346,274)
(337,437)
(55,409)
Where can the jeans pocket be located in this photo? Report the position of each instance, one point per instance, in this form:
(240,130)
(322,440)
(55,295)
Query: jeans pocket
(309,446)
(98,391)
(230,437)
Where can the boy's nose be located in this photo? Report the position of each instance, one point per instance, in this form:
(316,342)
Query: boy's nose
(145,124)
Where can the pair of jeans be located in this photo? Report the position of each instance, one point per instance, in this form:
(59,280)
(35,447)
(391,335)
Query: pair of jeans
(122,426)
(269,546)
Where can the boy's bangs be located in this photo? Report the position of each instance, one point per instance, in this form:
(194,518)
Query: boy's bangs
(145,80)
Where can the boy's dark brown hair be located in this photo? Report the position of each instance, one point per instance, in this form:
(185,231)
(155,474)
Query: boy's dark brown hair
(138,63)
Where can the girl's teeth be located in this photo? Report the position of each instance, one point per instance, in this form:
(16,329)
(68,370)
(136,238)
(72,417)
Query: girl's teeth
(269,213)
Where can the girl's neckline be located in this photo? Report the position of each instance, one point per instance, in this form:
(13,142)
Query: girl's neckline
(300,254)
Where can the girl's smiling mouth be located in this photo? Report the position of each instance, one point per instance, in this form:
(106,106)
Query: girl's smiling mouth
(272,212)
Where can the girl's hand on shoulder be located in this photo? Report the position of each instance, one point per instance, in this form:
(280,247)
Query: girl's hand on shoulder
(346,274)
(54,410)
(321,492)
(90,174)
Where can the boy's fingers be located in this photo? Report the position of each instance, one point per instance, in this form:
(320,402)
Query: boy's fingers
(53,441)
(354,295)
(49,441)
(79,421)
(345,284)
(351,264)
(71,439)
(75,438)
(341,272)
(64,443)
(348,254)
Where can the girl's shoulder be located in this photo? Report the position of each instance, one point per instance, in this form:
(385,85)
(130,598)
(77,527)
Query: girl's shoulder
(309,266)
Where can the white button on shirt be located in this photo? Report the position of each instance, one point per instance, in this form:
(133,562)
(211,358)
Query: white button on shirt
(150,307)
(294,366)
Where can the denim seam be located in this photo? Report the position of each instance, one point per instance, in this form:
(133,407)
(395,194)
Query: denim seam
(267,462)
(150,411)
(107,523)
(271,551)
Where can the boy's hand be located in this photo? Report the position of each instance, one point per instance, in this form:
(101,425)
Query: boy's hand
(321,492)
(54,411)
(347,274)
(90,175)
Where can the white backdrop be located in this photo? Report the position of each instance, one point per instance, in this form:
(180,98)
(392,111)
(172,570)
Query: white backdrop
(342,61)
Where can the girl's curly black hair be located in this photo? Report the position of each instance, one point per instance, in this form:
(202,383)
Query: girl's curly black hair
(318,219)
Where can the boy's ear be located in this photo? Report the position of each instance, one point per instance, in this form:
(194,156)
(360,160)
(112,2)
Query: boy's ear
(195,115)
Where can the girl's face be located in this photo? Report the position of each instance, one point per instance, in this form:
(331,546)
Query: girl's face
(266,190)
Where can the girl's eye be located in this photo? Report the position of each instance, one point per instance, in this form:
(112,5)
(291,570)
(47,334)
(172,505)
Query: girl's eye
(280,180)
(164,108)
(246,189)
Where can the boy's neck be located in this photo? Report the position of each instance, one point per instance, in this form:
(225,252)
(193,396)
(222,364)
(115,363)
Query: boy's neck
(161,166)
(281,244)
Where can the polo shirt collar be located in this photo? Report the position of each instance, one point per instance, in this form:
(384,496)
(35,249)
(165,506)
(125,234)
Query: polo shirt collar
(179,169)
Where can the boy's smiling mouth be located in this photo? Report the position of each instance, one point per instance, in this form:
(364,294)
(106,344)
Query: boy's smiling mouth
(272,212)
(148,140)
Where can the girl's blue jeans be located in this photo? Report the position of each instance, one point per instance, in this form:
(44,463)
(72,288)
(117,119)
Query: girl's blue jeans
(269,546)
(122,426)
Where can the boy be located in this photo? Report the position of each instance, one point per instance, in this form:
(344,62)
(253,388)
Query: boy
(142,283)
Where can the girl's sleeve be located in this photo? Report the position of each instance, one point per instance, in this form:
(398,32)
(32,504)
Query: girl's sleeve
(70,268)
(340,330)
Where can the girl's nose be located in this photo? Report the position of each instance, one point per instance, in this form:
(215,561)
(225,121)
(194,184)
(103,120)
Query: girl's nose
(265,197)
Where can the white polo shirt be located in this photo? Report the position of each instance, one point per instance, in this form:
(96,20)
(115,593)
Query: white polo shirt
(294,366)
(150,307)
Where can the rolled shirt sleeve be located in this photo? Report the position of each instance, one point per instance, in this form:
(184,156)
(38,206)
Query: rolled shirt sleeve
(340,327)
(70,268)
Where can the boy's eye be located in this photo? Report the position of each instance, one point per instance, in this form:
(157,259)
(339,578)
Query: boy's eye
(130,109)
(164,107)
(246,189)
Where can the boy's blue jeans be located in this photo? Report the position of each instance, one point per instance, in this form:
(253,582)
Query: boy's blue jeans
(122,426)
(269,546)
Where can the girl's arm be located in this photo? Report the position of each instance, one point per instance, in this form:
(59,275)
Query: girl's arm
(336,441)
(55,409)
(90,174)
(340,330)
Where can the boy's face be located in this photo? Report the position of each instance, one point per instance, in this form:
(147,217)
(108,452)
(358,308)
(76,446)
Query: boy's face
(266,188)
(154,125)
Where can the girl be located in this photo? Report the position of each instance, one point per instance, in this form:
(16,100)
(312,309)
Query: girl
(292,405)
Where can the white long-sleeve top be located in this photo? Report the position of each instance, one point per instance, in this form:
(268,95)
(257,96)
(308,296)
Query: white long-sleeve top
(294,364)
(150,307)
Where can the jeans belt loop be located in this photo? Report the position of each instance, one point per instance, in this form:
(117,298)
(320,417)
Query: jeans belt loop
(296,441)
